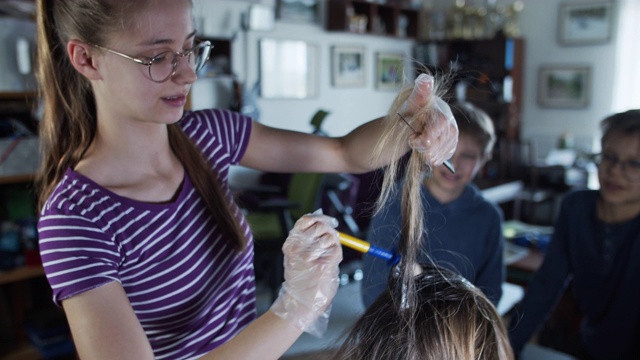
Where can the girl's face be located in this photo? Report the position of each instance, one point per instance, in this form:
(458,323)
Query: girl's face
(126,87)
(619,186)
(467,161)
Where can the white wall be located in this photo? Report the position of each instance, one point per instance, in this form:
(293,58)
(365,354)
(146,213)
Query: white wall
(543,125)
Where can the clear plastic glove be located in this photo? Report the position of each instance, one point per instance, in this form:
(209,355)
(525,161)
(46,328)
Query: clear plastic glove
(312,253)
(436,135)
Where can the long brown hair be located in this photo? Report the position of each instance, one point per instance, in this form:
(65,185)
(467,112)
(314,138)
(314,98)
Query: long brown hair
(69,120)
(453,320)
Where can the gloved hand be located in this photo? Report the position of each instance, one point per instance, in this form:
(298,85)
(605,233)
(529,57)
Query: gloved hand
(436,131)
(312,253)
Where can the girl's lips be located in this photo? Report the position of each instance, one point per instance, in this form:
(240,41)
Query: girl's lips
(178,100)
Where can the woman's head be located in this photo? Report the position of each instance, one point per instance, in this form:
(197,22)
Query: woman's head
(67,65)
(453,320)
(619,164)
(89,81)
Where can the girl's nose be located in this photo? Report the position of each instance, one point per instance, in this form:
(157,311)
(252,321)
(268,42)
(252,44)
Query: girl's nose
(185,73)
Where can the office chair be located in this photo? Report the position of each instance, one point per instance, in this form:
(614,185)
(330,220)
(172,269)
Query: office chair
(271,219)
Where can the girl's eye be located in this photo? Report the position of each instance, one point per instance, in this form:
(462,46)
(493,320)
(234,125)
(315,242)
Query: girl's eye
(162,57)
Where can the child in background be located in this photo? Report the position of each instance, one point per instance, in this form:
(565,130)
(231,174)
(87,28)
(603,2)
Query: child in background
(596,246)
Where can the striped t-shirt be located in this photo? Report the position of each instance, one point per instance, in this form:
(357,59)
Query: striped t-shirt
(190,290)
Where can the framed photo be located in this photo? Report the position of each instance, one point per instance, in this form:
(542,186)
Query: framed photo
(347,66)
(564,86)
(389,71)
(585,24)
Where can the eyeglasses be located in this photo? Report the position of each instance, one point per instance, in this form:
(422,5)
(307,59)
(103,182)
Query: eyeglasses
(630,168)
(161,69)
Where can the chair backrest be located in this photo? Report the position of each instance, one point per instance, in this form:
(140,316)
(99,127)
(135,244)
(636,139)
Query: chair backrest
(305,189)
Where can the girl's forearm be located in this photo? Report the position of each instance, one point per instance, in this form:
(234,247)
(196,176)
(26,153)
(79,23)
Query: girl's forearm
(268,337)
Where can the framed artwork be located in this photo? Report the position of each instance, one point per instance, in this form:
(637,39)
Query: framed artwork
(288,69)
(585,24)
(304,11)
(347,66)
(389,71)
(564,86)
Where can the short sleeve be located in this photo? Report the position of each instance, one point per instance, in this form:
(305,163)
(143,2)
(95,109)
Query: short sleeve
(76,255)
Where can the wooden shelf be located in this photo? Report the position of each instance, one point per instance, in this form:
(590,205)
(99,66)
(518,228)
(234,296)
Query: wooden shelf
(381,19)
(18,95)
(16,179)
(492,70)
(20,274)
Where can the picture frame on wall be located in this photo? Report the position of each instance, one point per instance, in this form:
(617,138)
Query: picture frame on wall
(585,24)
(348,66)
(564,86)
(389,71)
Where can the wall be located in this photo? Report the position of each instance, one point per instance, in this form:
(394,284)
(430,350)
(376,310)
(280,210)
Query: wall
(10,30)
(542,125)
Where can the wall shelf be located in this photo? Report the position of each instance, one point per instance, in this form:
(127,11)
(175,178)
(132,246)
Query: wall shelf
(381,19)
(492,70)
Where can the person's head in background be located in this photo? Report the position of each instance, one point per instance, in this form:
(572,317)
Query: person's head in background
(475,146)
(453,320)
(619,163)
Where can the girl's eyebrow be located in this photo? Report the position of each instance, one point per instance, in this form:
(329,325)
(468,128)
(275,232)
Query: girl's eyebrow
(165,41)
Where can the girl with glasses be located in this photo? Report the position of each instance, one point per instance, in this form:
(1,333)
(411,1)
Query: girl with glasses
(596,247)
(140,238)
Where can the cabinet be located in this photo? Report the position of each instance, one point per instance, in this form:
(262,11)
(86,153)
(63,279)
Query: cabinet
(392,19)
(489,74)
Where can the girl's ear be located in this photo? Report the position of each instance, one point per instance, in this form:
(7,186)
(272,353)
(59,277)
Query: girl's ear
(82,58)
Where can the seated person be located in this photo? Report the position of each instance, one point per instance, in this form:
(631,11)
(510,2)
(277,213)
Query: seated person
(596,246)
(453,320)
(464,230)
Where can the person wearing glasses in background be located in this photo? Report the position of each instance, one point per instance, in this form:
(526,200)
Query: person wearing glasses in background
(140,238)
(596,246)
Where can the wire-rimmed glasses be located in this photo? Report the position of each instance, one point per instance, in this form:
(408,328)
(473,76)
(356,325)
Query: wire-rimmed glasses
(161,69)
(630,168)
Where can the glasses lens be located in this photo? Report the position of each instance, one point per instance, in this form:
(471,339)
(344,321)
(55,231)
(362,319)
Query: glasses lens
(161,67)
(200,55)
(630,168)
(633,170)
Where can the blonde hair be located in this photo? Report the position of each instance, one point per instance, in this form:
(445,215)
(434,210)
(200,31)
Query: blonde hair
(69,121)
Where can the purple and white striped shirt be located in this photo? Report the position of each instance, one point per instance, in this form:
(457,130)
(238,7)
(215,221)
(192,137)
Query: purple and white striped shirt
(190,290)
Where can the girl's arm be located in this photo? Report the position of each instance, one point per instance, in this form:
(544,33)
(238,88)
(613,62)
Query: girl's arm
(279,150)
(104,325)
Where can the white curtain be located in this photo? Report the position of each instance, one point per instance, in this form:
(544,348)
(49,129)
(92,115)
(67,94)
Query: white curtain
(627,73)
